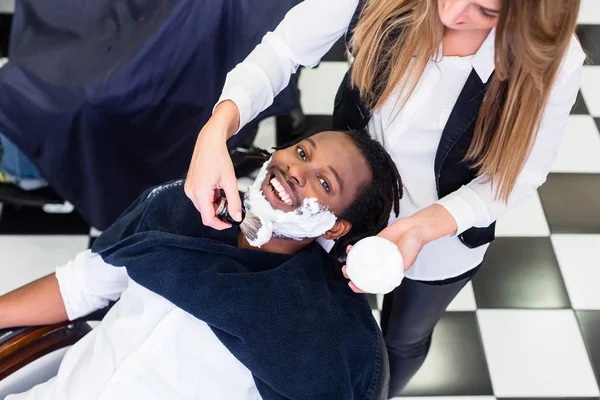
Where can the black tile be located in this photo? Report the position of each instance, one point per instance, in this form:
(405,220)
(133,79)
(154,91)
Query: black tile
(589,36)
(520,273)
(27,220)
(5,27)
(312,123)
(589,322)
(319,122)
(372,301)
(337,52)
(571,203)
(456,364)
(580,108)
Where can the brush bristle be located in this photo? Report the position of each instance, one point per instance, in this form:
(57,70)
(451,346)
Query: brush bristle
(250,226)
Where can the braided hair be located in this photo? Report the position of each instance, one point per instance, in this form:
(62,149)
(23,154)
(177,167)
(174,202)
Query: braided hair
(370,211)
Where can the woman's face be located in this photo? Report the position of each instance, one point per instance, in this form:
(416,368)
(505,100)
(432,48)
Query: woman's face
(469,14)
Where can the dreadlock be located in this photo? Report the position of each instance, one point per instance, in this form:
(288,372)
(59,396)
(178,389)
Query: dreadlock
(370,212)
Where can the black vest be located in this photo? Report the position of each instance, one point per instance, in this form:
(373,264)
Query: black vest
(450,171)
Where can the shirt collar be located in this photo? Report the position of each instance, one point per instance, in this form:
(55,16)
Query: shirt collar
(483,60)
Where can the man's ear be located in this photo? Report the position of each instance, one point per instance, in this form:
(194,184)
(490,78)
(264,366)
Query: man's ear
(340,228)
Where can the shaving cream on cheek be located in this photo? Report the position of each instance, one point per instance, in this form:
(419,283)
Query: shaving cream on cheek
(310,220)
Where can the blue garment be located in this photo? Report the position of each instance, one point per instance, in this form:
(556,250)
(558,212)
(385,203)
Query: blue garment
(107,97)
(291,320)
(18,167)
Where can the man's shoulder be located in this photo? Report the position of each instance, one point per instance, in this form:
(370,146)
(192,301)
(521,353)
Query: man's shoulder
(164,210)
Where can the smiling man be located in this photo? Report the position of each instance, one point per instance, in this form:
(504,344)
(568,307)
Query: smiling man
(203,314)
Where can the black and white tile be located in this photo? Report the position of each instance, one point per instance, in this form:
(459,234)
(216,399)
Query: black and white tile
(527,327)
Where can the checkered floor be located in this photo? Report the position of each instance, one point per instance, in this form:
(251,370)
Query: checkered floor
(529,324)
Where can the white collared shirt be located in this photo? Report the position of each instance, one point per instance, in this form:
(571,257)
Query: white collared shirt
(304,37)
(145,347)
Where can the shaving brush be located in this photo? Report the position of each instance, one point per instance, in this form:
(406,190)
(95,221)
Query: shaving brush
(250,224)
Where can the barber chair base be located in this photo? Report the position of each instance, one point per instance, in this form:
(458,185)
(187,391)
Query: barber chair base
(36,372)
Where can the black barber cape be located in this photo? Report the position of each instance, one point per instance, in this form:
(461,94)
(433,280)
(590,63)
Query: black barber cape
(291,320)
(106,97)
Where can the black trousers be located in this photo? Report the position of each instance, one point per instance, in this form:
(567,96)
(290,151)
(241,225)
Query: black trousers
(408,317)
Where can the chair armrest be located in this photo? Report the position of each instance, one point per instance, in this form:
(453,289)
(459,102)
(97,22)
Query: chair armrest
(21,346)
(29,344)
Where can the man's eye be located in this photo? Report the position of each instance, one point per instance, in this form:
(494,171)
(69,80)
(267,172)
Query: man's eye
(325,185)
(301,153)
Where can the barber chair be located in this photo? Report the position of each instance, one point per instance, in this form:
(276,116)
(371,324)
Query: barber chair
(32,355)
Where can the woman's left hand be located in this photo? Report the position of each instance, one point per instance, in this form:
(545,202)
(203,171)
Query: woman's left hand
(409,238)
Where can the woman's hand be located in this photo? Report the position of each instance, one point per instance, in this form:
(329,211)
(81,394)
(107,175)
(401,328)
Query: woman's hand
(411,234)
(211,168)
(409,239)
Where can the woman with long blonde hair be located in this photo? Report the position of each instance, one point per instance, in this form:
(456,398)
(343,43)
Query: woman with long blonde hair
(470,98)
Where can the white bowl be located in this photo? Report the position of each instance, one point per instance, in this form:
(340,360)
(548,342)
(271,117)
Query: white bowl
(375,265)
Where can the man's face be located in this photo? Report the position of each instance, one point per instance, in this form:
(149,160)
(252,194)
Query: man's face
(327,166)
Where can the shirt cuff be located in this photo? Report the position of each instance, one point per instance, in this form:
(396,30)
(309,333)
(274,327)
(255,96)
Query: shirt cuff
(66,275)
(465,206)
(242,101)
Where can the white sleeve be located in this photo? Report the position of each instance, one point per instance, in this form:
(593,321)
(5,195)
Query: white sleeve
(87,284)
(304,36)
(474,205)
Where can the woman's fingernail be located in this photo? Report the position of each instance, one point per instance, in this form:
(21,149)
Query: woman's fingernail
(238,216)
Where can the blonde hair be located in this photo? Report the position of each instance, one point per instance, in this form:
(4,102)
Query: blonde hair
(532,38)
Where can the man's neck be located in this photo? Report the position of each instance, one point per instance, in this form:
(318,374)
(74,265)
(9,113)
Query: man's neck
(276,245)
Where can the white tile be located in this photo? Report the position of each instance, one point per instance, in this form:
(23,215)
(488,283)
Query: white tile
(379,301)
(318,87)
(447,398)
(7,6)
(577,256)
(464,301)
(536,353)
(589,13)
(95,232)
(528,220)
(266,137)
(377,316)
(580,149)
(27,258)
(589,89)
(93,324)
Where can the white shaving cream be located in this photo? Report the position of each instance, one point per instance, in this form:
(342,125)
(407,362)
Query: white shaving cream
(310,220)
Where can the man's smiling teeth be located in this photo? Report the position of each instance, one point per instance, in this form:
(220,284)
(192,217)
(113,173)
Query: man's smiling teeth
(281,192)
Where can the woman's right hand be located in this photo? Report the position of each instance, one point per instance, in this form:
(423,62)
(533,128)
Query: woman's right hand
(211,168)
